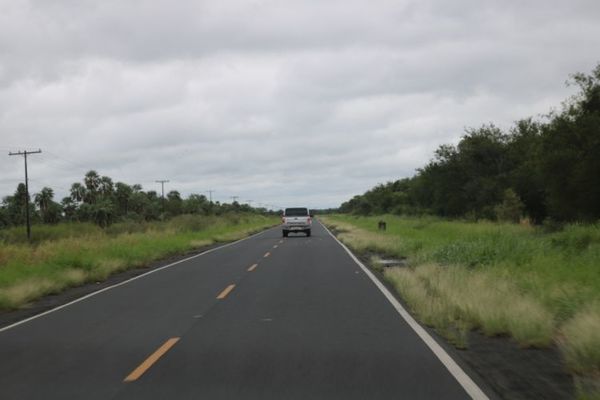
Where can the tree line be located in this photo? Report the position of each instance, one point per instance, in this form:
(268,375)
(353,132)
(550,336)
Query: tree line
(545,169)
(98,199)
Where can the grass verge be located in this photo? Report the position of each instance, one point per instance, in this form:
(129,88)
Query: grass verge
(72,255)
(538,288)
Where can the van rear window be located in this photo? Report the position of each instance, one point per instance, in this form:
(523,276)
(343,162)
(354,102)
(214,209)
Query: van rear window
(296,212)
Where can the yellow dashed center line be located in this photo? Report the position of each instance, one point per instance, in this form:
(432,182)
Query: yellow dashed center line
(267,254)
(253,267)
(225,292)
(143,367)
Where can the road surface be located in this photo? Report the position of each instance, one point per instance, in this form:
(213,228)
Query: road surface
(263,318)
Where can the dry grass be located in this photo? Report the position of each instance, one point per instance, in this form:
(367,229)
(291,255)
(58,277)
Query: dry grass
(538,288)
(581,340)
(365,241)
(25,291)
(201,243)
(29,272)
(455,300)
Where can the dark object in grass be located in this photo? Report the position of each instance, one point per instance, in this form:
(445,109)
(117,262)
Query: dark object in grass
(381,225)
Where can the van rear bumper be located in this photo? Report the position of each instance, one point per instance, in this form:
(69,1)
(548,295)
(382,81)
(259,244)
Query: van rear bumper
(295,227)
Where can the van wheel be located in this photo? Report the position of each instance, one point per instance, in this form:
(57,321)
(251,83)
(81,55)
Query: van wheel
(308,233)
(285,233)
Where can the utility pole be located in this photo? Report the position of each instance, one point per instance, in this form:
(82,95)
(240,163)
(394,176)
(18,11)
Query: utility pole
(234,199)
(162,185)
(24,153)
(210,192)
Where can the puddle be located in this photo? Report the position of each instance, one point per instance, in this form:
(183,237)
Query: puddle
(391,262)
(379,262)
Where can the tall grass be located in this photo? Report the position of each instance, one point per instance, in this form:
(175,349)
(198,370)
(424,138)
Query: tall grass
(71,254)
(503,279)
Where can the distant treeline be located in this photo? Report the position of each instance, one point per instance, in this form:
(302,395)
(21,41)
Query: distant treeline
(542,170)
(103,202)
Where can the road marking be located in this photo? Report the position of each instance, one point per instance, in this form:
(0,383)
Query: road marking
(97,292)
(225,292)
(148,362)
(252,268)
(275,246)
(461,377)
(267,254)
(281,241)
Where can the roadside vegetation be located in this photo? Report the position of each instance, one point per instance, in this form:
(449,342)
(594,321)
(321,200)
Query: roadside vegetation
(102,227)
(71,254)
(99,200)
(538,287)
(546,169)
(500,233)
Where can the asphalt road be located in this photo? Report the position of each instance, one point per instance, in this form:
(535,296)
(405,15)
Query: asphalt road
(303,321)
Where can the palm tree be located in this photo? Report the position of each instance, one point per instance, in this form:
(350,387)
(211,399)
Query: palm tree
(77,192)
(92,184)
(92,180)
(43,199)
(106,186)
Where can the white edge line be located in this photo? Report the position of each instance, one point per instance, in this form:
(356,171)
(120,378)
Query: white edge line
(97,292)
(463,379)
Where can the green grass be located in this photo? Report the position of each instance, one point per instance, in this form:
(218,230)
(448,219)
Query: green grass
(503,279)
(73,254)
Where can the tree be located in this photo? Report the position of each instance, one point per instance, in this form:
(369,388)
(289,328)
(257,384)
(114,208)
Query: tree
(92,185)
(50,211)
(123,193)
(43,198)
(106,187)
(195,204)
(102,212)
(174,204)
(69,208)
(15,205)
(524,151)
(570,165)
(77,192)
(4,218)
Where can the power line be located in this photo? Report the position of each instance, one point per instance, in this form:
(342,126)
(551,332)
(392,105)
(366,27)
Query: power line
(67,161)
(44,183)
(24,153)
(210,192)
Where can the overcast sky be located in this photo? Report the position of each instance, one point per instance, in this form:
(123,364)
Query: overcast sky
(281,102)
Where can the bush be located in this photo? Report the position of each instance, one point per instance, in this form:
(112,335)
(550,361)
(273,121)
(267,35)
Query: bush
(511,208)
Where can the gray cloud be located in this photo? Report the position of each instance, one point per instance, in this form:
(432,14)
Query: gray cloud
(279,102)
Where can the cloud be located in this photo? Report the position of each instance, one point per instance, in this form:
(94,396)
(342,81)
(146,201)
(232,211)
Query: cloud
(296,102)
